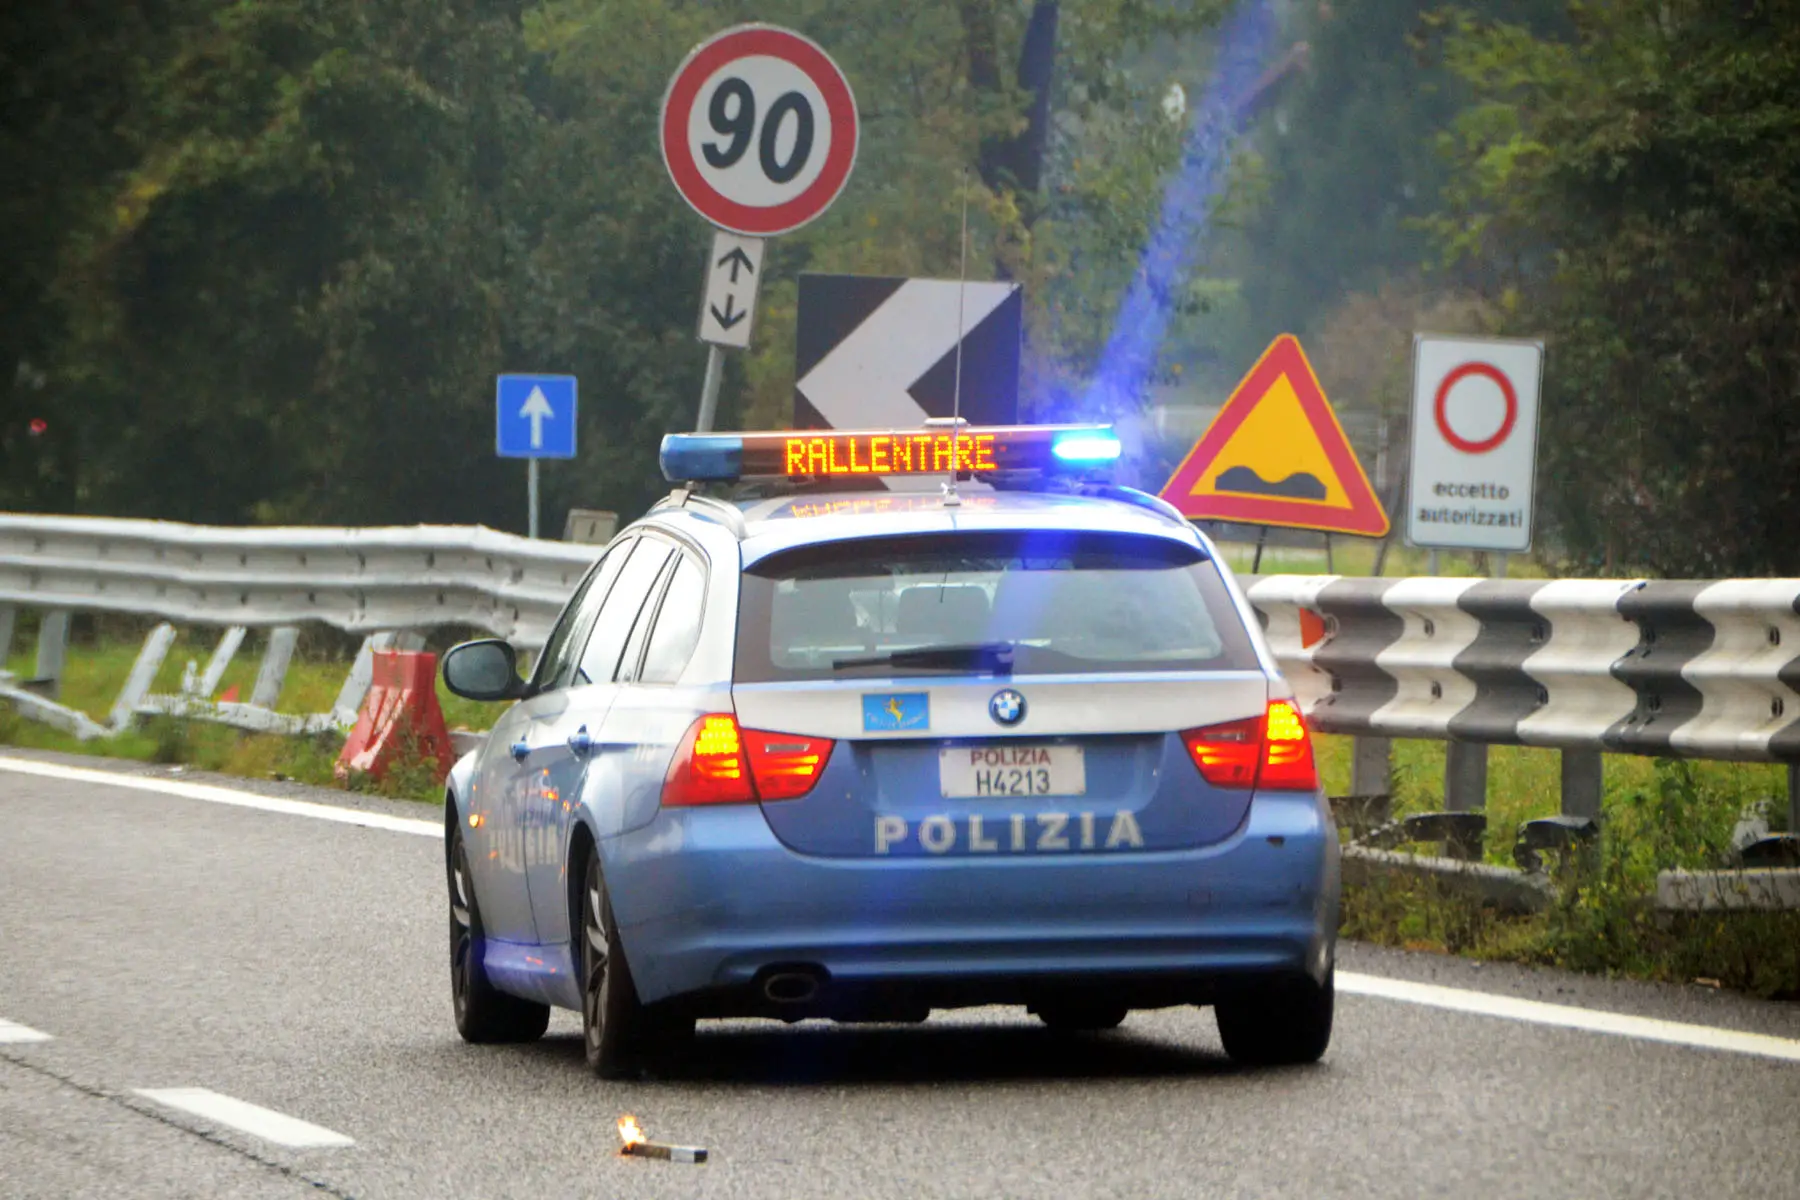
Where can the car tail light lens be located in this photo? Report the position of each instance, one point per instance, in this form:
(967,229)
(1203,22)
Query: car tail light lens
(710,766)
(1227,755)
(719,763)
(1271,751)
(1287,751)
(785,765)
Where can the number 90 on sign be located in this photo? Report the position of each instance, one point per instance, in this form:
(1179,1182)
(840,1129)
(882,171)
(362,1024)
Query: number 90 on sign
(760,125)
(759,130)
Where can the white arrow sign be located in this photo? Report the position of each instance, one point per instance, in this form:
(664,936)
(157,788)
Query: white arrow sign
(536,409)
(728,305)
(866,381)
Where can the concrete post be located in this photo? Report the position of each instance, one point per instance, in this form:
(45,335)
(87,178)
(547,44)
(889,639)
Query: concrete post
(52,649)
(1465,776)
(1583,783)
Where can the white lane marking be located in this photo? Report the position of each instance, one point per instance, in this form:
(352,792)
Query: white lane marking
(253,1119)
(12,1033)
(1589,1020)
(219,795)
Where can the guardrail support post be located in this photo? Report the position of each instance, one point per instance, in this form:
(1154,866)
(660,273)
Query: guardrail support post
(1794,798)
(208,682)
(1371,766)
(273,672)
(1583,783)
(6,632)
(1465,776)
(143,674)
(52,649)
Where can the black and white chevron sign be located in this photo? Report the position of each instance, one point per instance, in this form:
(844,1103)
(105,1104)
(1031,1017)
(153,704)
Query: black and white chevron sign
(880,353)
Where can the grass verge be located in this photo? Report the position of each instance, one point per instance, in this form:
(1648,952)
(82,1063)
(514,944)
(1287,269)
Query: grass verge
(1658,814)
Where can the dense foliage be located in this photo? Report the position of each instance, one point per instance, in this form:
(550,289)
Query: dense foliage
(270,254)
(1632,193)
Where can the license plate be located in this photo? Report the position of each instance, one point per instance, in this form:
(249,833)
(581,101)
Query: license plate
(980,772)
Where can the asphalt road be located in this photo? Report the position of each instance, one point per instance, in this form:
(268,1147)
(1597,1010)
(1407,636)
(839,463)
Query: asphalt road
(298,964)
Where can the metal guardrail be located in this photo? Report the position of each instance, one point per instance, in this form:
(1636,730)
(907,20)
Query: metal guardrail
(388,583)
(1706,670)
(1696,670)
(359,580)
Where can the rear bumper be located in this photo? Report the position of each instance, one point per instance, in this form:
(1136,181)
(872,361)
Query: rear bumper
(708,901)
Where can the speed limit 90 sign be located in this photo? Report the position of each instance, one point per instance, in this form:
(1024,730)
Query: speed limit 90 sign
(759,130)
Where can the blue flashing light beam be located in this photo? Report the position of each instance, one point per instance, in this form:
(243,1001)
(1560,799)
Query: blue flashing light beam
(1187,207)
(1086,449)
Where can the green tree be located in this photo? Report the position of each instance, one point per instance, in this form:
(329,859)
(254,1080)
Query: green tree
(1632,194)
(299,292)
(74,76)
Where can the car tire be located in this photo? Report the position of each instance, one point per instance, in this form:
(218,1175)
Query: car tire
(1279,1025)
(484,1014)
(621,1036)
(1081,1016)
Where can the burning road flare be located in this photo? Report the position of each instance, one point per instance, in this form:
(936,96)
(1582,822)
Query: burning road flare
(631,1134)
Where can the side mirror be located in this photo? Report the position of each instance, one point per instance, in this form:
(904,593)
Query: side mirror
(483,670)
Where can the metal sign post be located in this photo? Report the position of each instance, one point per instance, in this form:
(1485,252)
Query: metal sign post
(727,311)
(534,418)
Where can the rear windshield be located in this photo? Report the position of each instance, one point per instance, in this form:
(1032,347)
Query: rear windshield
(1043,603)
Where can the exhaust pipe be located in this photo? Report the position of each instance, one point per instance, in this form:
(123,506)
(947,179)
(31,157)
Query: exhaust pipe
(791,987)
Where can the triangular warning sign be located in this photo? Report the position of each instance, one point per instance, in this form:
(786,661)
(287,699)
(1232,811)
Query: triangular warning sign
(1276,455)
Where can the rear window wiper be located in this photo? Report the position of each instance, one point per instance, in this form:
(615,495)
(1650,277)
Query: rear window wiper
(992,656)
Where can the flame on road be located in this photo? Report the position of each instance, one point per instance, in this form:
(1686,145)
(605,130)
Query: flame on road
(630,1132)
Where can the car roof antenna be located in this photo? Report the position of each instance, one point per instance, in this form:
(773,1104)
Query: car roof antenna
(951,499)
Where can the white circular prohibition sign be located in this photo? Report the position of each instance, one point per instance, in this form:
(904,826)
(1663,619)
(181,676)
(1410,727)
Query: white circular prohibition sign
(1508,397)
(759,130)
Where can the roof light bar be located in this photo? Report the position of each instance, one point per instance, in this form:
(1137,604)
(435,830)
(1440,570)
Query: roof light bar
(844,454)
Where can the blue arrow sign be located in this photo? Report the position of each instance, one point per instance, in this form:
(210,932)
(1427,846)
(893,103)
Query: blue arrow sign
(534,416)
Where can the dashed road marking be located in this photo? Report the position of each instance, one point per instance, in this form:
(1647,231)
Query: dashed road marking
(212,794)
(241,1115)
(1568,1016)
(12,1033)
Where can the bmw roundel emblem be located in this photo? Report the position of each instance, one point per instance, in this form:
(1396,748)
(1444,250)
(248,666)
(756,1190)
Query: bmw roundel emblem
(1007,707)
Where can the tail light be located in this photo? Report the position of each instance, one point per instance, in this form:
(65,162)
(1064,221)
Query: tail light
(1287,751)
(719,763)
(1271,751)
(784,765)
(1227,755)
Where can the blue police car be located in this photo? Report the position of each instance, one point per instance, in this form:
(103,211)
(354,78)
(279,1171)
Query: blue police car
(833,750)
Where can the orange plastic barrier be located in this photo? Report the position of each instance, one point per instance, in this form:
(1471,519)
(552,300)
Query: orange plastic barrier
(400,719)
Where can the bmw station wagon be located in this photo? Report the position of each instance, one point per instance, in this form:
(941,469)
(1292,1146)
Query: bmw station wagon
(844,752)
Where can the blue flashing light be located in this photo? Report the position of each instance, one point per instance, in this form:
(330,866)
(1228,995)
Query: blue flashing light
(701,457)
(1086,448)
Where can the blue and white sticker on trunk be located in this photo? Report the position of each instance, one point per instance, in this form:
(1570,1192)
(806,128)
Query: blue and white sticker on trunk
(896,712)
